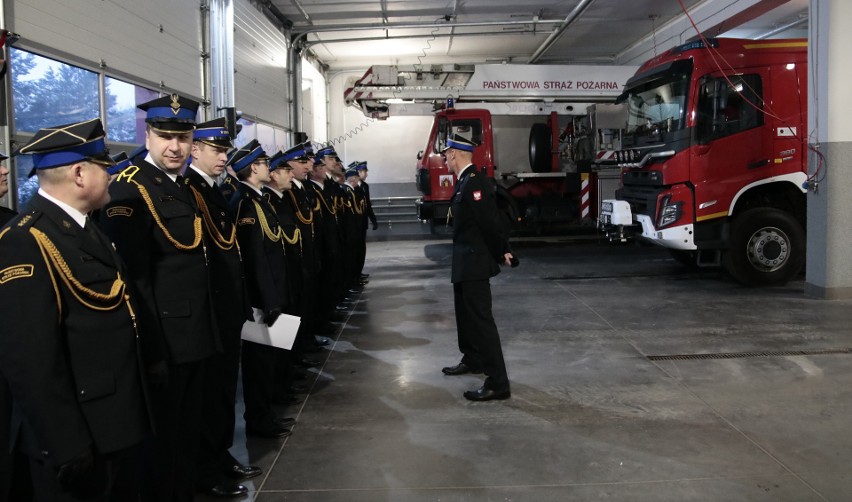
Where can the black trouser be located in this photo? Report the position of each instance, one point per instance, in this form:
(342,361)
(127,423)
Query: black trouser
(14,466)
(259,369)
(220,394)
(171,458)
(479,341)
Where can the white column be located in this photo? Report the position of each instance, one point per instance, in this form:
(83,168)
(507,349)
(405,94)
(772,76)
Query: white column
(829,261)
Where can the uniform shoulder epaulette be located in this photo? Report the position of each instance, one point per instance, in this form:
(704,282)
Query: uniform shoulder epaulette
(27,220)
(24,222)
(126,175)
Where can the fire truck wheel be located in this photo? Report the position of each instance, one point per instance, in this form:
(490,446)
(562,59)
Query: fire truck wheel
(540,148)
(767,248)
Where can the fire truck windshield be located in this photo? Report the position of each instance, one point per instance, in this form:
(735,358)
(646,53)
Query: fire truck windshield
(656,102)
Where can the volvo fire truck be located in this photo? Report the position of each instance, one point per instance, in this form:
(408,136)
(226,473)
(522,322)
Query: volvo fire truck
(714,158)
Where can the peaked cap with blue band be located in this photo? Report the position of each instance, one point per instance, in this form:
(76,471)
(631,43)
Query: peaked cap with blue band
(173,113)
(213,133)
(277,161)
(459,143)
(308,147)
(122,162)
(67,144)
(362,166)
(243,157)
(298,152)
(327,151)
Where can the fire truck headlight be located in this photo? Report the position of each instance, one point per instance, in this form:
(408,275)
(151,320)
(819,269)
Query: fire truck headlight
(669,212)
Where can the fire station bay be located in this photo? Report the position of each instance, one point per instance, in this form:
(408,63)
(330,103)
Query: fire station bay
(470,250)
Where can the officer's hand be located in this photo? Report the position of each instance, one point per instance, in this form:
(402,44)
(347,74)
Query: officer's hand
(75,473)
(158,375)
(375,225)
(270,317)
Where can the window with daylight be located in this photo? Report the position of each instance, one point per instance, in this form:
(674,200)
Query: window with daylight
(125,123)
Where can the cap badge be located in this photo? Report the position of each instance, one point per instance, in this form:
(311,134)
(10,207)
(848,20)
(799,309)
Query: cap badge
(175,104)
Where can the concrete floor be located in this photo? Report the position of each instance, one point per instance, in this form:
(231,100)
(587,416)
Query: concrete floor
(591,417)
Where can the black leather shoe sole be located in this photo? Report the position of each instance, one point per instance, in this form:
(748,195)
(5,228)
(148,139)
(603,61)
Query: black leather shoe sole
(483,394)
(240,472)
(460,369)
(226,491)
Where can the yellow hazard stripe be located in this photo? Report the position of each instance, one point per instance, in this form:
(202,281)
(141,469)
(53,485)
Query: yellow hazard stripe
(776,45)
(712,216)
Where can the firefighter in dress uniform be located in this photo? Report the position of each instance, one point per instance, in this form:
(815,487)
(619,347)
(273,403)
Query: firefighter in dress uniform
(70,344)
(261,240)
(156,226)
(218,469)
(480,245)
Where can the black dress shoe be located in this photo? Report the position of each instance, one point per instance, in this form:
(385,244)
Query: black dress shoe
(460,369)
(271,430)
(297,389)
(285,421)
(321,341)
(226,491)
(484,394)
(240,471)
(364,276)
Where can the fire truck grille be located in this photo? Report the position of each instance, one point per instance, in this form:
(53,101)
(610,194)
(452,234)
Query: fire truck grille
(741,355)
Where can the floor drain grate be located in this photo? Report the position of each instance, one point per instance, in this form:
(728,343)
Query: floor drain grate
(740,355)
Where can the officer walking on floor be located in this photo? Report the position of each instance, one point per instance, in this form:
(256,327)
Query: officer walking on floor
(69,347)
(154,222)
(480,245)
(218,469)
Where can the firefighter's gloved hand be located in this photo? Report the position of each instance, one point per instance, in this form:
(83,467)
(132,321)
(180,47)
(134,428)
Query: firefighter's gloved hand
(375,225)
(270,317)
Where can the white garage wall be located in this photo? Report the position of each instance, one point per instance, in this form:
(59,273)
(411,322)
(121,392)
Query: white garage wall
(260,65)
(389,146)
(314,90)
(130,37)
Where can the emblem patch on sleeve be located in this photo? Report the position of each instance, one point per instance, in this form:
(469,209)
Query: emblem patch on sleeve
(477,195)
(15,272)
(119,211)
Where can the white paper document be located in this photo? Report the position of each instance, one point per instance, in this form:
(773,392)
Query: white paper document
(281,334)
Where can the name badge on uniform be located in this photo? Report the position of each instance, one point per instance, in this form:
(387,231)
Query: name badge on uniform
(16,272)
(119,211)
(477,195)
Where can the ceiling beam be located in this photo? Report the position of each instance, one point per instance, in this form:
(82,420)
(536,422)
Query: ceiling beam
(558,32)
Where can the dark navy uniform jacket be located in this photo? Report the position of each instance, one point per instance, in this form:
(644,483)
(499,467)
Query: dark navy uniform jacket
(262,245)
(154,224)
(479,238)
(230,299)
(69,348)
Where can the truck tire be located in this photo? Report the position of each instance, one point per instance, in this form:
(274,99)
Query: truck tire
(540,148)
(767,248)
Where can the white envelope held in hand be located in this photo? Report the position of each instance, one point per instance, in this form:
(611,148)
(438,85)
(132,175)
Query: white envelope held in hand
(281,334)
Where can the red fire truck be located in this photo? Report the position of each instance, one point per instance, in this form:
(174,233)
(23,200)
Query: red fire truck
(538,127)
(714,157)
